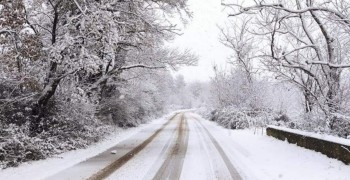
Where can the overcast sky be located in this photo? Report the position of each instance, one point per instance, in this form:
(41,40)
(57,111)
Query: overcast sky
(202,36)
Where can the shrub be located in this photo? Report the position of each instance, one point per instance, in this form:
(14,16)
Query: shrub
(69,123)
(119,112)
(16,146)
(340,125)
(336,124)
(241,118)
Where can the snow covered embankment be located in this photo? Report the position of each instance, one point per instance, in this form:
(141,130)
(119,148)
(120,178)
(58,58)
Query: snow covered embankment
(44,168)
(261,157)
(333,147)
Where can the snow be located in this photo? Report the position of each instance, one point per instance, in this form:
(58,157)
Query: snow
(258,156)
(58,163)
(325,137)
(149,160)
(202,159)
(255,156)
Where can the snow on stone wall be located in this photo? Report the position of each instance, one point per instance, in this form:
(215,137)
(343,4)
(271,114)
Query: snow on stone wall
(332,147)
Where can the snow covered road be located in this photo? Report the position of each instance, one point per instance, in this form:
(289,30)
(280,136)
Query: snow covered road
(185,146)
(181,148)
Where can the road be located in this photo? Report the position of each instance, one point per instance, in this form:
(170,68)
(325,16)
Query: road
(180,147)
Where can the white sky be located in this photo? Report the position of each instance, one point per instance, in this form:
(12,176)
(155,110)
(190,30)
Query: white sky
(201,35)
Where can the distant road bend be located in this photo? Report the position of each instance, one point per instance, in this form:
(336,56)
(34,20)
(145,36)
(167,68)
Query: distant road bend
(181,147)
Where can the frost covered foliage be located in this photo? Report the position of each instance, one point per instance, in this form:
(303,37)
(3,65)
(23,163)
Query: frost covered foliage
(340,125)
(241,101)
(306,49)
(140,96)
(120,111)
(240,118)
(65,70)
(16,146)
(75,119)
(337,124)
(68,126)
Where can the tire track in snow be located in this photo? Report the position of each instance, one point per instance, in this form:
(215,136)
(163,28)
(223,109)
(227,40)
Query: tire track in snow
(108,170)
(219,167)
(159,162)
(198,155)
(233,172)
(172,166)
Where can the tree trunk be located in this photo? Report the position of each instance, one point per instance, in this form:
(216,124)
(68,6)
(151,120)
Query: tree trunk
(309,103)
(40,107)
(333,102)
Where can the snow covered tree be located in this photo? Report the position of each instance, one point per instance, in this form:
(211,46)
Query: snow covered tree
(87,43)
(303,41)
(69,69)
(235,37)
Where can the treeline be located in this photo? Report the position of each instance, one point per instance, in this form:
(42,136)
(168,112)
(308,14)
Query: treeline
(302,45)
(70,70)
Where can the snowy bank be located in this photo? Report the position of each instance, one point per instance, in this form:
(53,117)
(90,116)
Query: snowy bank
(260,157)
(331,146)
(44,168)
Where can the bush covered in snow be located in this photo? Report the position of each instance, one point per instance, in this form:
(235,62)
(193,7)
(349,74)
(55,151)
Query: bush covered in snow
(241,118)
(121,112)
(68,125)
(16,146)
(340,125)
(336,124)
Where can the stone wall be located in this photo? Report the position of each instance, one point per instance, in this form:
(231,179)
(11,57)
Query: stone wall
(331,149)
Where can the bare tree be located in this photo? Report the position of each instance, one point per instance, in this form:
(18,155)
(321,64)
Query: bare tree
(235,37)
(305,42)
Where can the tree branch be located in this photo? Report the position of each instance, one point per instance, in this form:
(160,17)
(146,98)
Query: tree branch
(140,66)
(329,64)
(281,7)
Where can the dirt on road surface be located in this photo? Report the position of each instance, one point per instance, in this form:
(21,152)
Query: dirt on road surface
(178,148)
(172,166)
